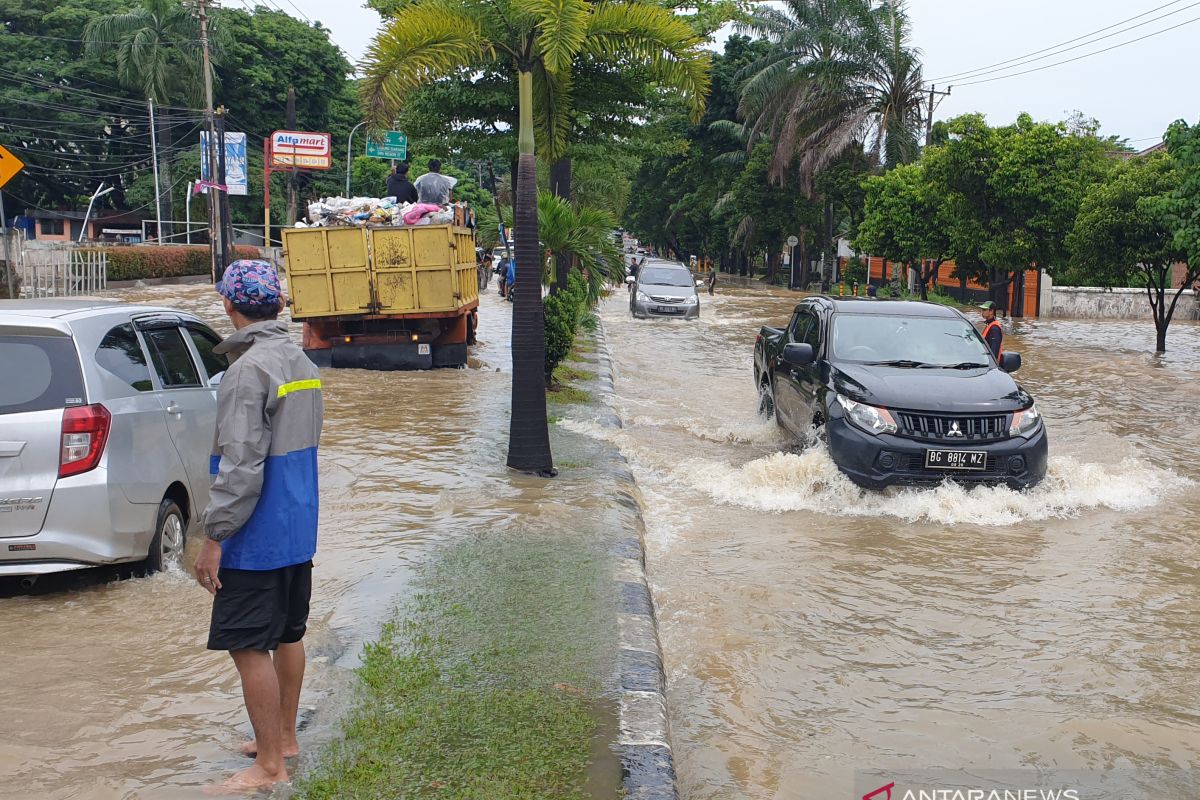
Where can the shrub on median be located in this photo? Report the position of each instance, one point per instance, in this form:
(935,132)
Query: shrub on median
(563,312)
(139,262)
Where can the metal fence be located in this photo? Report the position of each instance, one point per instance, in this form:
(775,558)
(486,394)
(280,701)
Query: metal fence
(62,271)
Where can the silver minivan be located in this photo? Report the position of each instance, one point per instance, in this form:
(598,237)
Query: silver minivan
(107,414)
(663,289)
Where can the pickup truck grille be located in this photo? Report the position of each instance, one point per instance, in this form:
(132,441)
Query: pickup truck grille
(666,299)
(954,428)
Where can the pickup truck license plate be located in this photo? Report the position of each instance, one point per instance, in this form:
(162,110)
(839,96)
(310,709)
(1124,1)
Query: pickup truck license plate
(956,459)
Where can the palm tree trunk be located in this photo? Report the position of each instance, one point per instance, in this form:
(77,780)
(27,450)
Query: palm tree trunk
(560,186)
(529,433)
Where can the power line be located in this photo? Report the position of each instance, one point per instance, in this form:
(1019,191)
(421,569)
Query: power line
(1080,58)
(1061,48)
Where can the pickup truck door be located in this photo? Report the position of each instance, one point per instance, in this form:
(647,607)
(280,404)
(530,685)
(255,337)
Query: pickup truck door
(808,379)
(789,405)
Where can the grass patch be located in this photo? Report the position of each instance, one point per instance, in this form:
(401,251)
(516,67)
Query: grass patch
(565,374)
(487,685)
(568,394)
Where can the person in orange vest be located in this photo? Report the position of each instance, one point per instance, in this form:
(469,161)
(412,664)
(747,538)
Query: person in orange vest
(993,334)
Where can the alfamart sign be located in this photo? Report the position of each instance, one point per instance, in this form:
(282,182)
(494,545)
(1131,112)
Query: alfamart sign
(301,150)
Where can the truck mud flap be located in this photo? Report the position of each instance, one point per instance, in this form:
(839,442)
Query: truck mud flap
(387,357)
(449,355)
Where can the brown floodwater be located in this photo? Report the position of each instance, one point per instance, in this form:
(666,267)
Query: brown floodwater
(811,629)
(105,686)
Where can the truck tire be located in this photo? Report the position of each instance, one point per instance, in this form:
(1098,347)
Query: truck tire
(766,402)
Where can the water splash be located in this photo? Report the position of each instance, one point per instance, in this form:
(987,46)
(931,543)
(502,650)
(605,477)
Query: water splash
(810,481)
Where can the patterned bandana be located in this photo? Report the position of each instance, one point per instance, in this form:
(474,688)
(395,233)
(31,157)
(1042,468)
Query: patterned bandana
(250,283)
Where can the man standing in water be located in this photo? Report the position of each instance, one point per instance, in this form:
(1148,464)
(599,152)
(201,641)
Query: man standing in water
(261,520)
(993,333)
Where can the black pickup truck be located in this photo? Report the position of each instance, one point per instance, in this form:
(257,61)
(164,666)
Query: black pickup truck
(903,392)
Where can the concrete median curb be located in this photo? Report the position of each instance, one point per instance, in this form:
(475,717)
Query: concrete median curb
(644,737)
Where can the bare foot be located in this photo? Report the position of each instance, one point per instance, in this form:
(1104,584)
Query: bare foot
(250,749)
(247,780)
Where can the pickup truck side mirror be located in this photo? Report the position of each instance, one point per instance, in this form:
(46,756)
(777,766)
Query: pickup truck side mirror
(799,354)
(631,280)
(1010,362)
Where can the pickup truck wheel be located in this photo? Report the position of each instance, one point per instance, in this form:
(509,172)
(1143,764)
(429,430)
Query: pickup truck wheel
(766,403)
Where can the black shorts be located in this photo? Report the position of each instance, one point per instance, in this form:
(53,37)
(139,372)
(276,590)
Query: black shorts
(260,609)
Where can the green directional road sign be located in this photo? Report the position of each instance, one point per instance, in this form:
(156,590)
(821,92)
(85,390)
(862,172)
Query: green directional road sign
(394,145)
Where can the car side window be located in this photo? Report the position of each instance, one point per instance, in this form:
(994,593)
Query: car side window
(121,353)
(171,358)
(812,331)
(799,326)
(205,340)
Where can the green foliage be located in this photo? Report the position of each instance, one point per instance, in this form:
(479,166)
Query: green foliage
(563,311)
(1182,207)
(156,48)
(1011,194)
(368,176)
(905,220)
(837,71)
(140,262)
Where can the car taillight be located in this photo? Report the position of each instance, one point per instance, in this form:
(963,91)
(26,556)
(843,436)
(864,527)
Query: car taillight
(84,432)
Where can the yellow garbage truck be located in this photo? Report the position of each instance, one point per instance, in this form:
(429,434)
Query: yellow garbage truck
(384,298)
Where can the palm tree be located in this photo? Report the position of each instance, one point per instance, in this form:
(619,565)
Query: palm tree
(158,54)
(840,72)
(539,41)
(584,236)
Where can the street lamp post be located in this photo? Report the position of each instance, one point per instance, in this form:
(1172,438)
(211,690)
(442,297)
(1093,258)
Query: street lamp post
(100,192)
(350,154)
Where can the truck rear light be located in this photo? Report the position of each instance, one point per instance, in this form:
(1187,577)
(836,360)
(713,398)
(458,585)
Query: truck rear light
(84,434)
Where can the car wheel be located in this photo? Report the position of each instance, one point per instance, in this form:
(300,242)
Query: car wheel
(766,403)
(170,533)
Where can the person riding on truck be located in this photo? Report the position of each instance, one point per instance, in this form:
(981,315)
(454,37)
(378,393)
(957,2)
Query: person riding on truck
(434,187)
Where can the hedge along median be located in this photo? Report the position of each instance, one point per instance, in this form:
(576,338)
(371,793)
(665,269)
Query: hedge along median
(141,262)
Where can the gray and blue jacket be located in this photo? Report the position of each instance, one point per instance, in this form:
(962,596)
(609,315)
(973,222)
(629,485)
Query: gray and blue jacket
(263,505)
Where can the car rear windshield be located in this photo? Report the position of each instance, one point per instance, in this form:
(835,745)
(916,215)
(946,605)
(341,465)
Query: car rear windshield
(666,277)
(912,341)
(48,367)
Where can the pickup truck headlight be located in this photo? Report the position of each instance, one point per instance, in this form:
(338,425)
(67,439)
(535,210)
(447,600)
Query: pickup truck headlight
(872,419)
(1025,422)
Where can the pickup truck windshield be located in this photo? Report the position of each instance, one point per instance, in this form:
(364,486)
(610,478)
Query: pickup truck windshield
(915,342)
(666,277)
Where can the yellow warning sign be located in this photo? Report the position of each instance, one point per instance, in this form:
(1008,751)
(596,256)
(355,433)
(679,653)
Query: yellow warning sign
(10,165)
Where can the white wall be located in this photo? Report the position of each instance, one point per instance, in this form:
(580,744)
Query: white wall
(1088,303)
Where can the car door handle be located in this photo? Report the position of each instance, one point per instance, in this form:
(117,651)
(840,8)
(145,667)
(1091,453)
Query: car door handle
(174,409)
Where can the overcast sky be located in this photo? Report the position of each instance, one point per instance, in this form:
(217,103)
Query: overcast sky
(1135,91)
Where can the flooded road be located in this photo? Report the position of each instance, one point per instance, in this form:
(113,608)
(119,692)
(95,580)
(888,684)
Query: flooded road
(106,689)
(811,629)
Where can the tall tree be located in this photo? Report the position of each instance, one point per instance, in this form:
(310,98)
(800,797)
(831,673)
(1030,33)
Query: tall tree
(1124,231)
(157,49)
(839,73)
(538,43)
(904,221)
(1012,195)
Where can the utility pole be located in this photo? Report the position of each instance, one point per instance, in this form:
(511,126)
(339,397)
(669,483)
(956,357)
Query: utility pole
(158,230)
(292,199)
(933,92)
(216,246)
(223,197)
